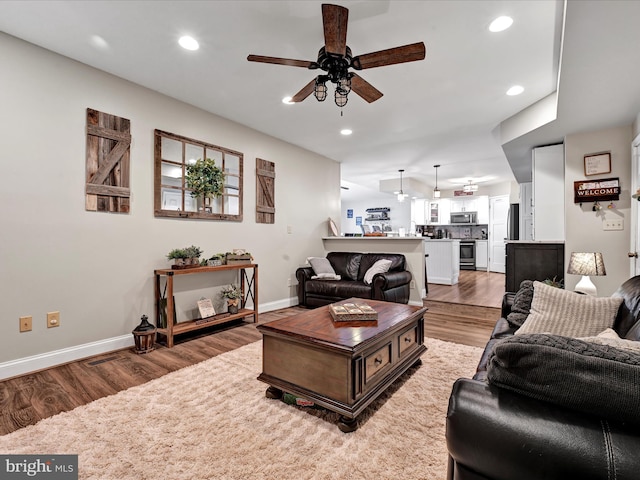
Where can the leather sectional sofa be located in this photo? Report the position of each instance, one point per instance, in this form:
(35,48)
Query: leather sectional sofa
(502,433)
(392,286)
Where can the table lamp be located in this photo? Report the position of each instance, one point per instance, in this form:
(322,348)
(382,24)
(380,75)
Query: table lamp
(586,264)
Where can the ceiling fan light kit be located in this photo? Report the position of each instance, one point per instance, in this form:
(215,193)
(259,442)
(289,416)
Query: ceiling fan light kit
(335,58)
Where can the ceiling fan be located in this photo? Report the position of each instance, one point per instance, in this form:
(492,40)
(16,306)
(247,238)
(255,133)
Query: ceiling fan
(335,58)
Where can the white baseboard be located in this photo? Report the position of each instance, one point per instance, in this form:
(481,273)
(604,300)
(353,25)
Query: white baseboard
(34,363)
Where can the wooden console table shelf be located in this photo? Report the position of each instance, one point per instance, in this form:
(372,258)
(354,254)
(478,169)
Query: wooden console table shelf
(248,287)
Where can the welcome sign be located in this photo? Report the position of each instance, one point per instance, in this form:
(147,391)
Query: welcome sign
(596,190)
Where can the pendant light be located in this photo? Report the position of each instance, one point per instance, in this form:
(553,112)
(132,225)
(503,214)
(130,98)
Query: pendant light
(470,187)
(401,194)
(436,191)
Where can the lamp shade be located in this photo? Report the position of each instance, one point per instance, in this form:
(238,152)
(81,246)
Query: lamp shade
(586,264)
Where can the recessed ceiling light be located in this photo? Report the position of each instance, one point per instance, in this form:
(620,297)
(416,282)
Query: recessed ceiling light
(189,43)
(515,90)
(287,100)
(500,24)
(346,131)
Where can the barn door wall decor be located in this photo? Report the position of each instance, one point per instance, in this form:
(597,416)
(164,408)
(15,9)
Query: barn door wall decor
(265,191)
(107,164)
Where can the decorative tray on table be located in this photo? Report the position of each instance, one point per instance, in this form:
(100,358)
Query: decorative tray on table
(352,312)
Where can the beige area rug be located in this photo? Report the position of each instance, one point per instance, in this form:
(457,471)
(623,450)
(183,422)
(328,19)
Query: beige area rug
(213,421)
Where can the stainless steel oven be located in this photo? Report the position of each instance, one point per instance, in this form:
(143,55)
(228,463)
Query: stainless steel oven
(467,254)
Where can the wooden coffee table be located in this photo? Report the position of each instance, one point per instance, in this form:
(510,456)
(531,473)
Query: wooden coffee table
(342,367)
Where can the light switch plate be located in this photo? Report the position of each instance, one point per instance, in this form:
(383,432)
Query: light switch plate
(614,224)
(53,319)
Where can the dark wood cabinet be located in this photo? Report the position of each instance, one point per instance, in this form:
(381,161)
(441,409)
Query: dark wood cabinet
(533,261)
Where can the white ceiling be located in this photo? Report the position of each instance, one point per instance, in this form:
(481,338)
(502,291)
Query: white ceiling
(443,110)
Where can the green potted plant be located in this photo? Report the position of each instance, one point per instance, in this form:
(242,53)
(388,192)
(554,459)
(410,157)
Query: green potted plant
(205,180)
(193,255)
(185,257)
(178,255)
(233,294)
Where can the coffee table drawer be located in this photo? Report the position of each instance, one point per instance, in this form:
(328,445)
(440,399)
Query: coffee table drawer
(408,340)
(377,361)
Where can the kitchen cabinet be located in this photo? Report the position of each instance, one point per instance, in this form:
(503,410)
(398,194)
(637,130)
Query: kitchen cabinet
(464,205)
(483,210)
(548,193)
(482,254)
(437,212)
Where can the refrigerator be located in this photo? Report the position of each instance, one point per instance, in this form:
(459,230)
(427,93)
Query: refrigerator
(513,222)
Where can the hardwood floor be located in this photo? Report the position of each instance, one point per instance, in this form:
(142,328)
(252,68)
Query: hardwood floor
(464,313)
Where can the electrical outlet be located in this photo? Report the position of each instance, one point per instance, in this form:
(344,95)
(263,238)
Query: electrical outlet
(614,224)
(288,282)
(289,229)
(412,284)
(25,324)
(53,319)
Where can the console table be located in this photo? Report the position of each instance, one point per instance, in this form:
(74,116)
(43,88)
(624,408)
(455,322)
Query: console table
(248,286)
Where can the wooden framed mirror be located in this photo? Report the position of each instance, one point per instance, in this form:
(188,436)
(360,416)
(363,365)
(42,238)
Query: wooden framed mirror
(174,156)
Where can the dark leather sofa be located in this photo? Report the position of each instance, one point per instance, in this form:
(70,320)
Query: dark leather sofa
(495,433)
(392,286)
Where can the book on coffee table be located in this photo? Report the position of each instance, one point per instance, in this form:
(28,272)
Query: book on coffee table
(352,312)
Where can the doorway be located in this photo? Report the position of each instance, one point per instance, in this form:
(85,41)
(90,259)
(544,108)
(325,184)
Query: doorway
(498,219)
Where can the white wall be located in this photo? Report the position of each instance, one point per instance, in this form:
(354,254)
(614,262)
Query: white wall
(584,231)
(97,268)
(400,213)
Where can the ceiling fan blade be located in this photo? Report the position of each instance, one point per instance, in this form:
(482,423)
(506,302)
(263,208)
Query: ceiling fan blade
(391,56)
(305,92)
(334,20)
(283,61)
(365,89)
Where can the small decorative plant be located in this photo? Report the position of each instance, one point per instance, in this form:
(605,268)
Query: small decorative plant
(554,283)
(193,251)
(205,179)
(189,256)
(233,294)
(177,253)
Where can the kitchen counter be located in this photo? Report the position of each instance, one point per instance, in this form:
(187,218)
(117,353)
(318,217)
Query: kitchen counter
(374,237)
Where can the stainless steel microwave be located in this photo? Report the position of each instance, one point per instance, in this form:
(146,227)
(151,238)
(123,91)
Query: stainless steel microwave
(463,218)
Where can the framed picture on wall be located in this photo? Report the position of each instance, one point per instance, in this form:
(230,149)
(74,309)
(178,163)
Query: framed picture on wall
(597,163)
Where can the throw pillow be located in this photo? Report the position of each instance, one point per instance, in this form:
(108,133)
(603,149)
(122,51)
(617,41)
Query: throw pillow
(521,304)
(610,337)
(569,372)
(562,312)
(381,266)
(321,265)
